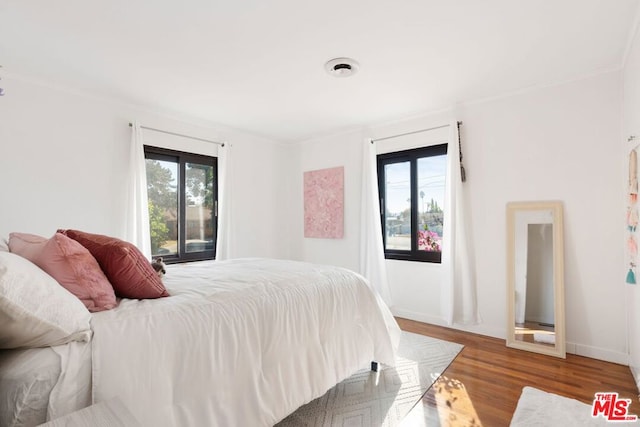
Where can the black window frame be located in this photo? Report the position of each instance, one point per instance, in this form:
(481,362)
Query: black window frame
(181,158)
(411,155)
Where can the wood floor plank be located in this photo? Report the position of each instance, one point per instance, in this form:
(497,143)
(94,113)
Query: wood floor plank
(492,375)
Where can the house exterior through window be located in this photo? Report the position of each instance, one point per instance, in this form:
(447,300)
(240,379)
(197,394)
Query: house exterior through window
(411,184)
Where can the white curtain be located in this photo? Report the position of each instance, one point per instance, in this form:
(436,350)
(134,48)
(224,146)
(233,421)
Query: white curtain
(137,218)
(372,262)
(459,300)
(224,246)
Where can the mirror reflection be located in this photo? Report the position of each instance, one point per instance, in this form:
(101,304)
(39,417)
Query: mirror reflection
(534,301)
(536,312)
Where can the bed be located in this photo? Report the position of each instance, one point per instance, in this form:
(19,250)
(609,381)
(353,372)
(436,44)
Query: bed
(238,342)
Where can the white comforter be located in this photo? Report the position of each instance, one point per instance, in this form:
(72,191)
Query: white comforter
(238,343)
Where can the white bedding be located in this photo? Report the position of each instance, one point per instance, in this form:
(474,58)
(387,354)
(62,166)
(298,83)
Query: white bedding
(26,379)
(239,342)
(32,379)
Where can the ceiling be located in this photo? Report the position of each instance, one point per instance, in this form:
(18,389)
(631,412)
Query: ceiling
(258,65)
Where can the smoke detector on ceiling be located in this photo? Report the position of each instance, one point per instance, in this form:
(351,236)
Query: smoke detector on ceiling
(342,67)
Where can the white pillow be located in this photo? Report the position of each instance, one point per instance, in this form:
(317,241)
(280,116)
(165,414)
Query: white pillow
(35,311)
(4,246)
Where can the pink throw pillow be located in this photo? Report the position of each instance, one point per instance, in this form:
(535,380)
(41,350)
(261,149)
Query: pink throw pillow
(70,264)
(126,267)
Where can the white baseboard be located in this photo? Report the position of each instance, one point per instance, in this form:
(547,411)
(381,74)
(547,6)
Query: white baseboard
(435,320)
(598,353)
(418,317)
(636,375)
(572,348)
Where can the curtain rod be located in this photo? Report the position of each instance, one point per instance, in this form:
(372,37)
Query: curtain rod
(413,132)
(179,134)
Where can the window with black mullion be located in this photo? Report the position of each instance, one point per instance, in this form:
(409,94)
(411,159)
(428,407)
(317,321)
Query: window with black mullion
(395,241)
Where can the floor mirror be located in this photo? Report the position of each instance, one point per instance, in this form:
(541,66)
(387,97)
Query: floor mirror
(535,277)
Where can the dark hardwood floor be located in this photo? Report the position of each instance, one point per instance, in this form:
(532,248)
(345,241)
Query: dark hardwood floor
(493,376)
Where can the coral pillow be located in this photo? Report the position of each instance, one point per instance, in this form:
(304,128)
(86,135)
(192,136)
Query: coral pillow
(70,264)
(127,269)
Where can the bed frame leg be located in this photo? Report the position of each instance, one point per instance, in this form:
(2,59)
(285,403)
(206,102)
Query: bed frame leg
(374,366)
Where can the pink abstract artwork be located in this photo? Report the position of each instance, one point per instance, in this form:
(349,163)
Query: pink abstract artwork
(324,203)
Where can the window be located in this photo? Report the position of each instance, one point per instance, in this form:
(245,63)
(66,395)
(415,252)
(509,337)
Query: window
(183,201)
(411,185)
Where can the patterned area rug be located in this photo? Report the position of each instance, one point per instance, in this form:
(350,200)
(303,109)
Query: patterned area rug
(380,399)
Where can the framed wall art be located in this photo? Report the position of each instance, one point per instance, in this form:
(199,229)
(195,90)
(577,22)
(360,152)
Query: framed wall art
(324,203)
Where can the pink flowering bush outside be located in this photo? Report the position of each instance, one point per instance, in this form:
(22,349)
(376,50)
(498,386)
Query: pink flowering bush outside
(429,241)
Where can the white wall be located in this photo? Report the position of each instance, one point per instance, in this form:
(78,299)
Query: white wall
(552,143)
(323,153)
(631,126)
(555,144)
(63,162)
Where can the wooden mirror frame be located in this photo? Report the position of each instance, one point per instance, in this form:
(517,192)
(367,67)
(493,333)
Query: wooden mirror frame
(555,207)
